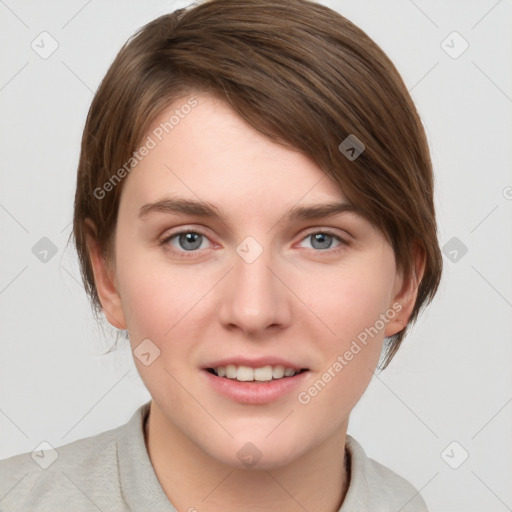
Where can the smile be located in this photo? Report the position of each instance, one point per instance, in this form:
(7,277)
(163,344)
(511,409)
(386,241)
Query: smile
(243,373)
(259,385)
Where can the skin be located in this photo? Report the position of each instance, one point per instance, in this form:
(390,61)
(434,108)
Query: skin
(296,301)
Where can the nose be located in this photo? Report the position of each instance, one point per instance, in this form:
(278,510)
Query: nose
(254,298)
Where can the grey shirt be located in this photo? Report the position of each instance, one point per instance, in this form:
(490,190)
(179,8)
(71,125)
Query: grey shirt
(112,472)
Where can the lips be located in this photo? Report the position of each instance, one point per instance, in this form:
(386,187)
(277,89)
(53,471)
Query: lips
(254,392)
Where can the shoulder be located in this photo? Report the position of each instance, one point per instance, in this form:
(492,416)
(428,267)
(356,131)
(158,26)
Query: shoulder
(76,474)
(375,487)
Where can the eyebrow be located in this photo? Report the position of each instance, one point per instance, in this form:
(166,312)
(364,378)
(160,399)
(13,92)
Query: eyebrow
(207,210)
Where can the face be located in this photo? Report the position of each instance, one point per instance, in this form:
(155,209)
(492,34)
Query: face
(244,282)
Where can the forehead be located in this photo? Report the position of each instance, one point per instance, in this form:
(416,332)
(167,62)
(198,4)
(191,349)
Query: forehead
(208,153)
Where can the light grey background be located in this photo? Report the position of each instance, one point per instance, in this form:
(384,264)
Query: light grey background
(451,381)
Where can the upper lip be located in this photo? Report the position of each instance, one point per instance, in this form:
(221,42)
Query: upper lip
(255,362)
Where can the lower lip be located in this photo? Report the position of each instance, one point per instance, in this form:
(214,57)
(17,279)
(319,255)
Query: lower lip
(254,393)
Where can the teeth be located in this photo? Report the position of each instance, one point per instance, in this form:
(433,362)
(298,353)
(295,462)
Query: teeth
(278,372)
(247,374)
(231,371)
(263,374)
(244,373)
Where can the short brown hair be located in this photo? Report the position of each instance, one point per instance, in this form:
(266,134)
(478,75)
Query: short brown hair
(297,72)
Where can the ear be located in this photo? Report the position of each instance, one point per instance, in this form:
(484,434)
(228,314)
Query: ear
(104,279)
(406,291)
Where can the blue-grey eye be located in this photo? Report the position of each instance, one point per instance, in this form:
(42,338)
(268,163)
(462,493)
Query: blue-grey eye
(190,241)
(321,240)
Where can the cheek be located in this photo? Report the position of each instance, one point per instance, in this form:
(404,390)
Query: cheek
(156,303)
(356,308)
(165,302)
(352,305)
(159,304)
(353,300)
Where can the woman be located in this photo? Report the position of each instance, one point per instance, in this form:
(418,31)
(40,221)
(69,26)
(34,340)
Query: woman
(254,208)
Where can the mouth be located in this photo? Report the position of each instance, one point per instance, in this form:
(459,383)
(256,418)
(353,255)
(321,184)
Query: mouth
(261,375)
(255,380)
(259,385)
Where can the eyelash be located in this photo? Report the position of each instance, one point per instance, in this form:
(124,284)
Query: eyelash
(190,254)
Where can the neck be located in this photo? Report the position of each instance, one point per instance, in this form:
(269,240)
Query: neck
(194,481)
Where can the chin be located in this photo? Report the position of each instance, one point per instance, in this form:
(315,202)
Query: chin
(257,454)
